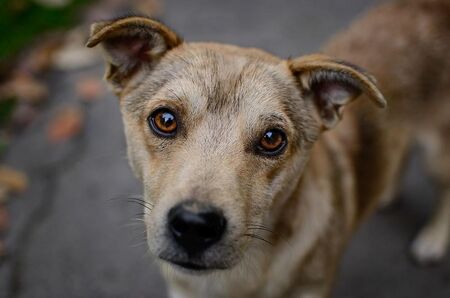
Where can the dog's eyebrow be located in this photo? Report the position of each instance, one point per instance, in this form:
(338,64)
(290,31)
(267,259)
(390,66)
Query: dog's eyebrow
(174,94)
(273,119)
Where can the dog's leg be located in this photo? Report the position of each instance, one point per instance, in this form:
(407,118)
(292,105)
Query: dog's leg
(397,145)
(433,240)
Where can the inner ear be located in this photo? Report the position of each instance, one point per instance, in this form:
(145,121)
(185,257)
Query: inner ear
(129,49)
(130,43)
(330,96)
(332,84)
(336,90)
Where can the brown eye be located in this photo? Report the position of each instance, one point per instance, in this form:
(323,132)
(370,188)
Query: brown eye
(272,142)
(163,122)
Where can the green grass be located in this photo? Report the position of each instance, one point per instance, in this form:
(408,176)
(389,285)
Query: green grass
(7,106)
(21,22)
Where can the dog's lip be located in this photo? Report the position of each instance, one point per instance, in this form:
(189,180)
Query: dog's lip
(192,265)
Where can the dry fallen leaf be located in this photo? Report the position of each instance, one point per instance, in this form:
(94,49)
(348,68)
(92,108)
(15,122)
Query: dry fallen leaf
(24,87)
(66,124)
(4,219)
(40,56)
(90,89)
(12,181)
(2,249)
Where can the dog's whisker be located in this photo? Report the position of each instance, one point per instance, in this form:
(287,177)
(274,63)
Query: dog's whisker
(140,233)
(141,200)
(126,196)
(259,229)
(142,204)
(255,224)
(138,199)
(258,237)
(254,227)
(140,243)
(138,220)
(141,215)
(134,223)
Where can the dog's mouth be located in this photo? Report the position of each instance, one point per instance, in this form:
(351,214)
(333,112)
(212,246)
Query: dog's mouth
(194,265)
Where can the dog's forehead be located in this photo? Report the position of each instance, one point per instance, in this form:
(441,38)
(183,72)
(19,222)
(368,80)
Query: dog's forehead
(227,79)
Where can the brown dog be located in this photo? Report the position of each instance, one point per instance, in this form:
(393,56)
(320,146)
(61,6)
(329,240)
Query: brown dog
(253,185)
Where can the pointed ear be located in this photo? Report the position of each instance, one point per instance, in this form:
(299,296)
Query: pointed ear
(129,44)
(332,84)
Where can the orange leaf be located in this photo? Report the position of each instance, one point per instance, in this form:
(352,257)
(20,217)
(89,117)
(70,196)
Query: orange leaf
(90,89)
(66,124)
(12,180)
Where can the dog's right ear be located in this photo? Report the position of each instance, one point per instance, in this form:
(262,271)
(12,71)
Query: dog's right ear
(129,44)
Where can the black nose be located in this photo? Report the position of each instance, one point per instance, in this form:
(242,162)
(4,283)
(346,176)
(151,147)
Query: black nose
(196,226)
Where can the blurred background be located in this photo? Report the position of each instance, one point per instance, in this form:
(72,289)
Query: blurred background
(65,228)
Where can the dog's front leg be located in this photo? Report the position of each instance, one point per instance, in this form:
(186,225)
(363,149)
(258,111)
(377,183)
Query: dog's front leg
(432,242)
(431,245)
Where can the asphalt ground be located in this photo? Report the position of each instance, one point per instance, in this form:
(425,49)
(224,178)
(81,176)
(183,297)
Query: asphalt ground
(70,237)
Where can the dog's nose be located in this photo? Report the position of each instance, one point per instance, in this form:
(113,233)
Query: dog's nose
(195,226)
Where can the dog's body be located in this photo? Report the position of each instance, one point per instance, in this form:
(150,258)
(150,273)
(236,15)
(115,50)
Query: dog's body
(308,200)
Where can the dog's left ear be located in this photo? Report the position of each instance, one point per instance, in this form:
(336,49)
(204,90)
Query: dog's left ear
(129,44)
(332,84)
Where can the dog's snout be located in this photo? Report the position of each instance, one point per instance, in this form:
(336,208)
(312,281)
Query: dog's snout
(195,227)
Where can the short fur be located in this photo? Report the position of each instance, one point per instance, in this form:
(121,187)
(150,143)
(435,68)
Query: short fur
(306,203)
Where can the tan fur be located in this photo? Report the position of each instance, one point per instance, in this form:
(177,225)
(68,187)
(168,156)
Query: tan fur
(314,195)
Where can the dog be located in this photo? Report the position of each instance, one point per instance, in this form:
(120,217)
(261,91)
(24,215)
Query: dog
(254,176)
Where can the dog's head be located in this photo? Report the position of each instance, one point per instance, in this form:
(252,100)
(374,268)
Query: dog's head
(217,134)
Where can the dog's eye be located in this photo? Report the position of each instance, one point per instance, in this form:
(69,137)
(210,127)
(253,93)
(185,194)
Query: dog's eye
(163,122)
(272,142)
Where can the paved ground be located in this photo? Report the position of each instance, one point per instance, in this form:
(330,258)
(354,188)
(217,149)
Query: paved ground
(69,239)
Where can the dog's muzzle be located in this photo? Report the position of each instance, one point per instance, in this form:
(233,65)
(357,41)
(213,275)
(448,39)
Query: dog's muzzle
(194,227)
